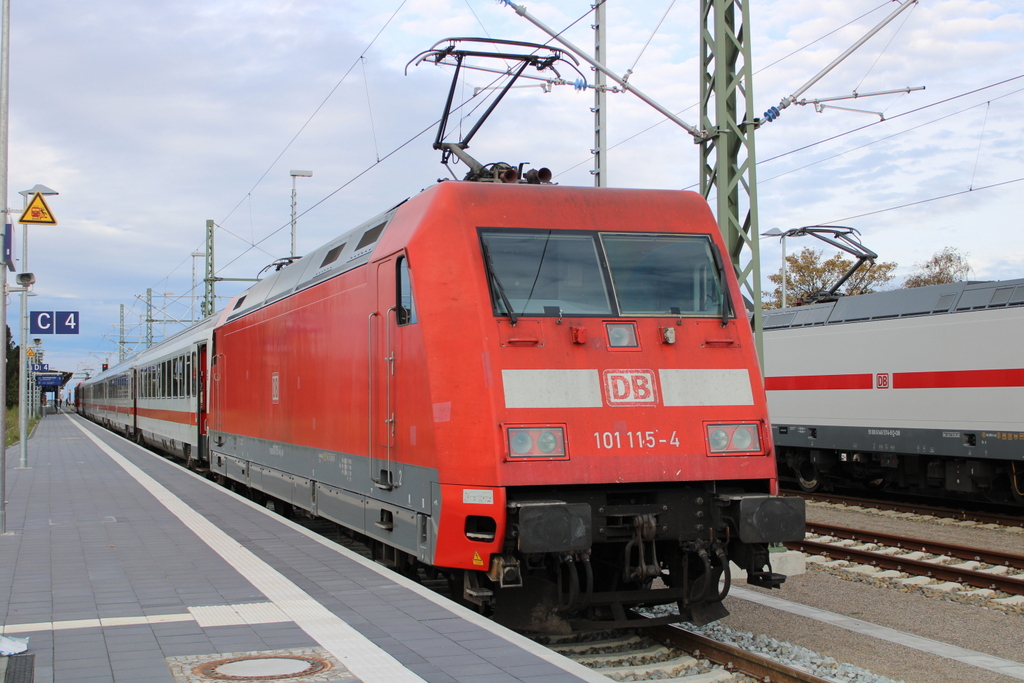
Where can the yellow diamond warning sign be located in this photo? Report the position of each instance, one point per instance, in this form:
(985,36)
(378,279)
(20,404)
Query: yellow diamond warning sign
(38,212)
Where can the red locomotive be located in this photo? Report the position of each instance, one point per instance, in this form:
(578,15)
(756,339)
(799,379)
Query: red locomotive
(543,392)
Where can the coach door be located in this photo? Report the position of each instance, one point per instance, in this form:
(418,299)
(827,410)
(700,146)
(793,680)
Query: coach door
(198,392)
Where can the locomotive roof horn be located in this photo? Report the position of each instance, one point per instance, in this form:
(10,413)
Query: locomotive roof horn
(516,57)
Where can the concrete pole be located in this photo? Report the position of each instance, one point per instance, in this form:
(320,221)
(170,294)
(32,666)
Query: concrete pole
(23,397)
(4,106)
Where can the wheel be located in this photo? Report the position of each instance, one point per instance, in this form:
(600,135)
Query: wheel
(808,477)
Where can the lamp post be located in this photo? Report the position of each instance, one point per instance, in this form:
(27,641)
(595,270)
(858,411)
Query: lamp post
(296,174)
(5,50)
(23,342)
(775,232)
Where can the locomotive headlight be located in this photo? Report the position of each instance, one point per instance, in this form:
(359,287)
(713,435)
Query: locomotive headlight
(742,438)
(621,335)
(541,442)
(547,442)
(719,440)
(733,439)
(521,442)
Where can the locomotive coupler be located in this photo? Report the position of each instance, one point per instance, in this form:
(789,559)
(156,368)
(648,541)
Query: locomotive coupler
(644,531)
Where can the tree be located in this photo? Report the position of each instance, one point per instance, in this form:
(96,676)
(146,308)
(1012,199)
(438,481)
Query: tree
(946,266)
(807,274)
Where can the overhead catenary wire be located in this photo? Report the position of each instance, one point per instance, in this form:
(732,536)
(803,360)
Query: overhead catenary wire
(764,68)
(476,106)
(882,51)
(248,195)
(892,118)
(926,201)
(629,71)
(319,107)
(762,181)
(981,139)
(369,106)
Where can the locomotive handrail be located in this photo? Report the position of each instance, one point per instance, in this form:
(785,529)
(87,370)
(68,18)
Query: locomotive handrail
(369,399)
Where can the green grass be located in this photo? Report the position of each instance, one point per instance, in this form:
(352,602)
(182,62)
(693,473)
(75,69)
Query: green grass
(12,425)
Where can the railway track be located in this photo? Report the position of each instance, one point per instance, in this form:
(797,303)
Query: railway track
(980,517)
(667,654)
(947,562)
(664,653)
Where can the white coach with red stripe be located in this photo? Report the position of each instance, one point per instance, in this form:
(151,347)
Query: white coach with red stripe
(910,388)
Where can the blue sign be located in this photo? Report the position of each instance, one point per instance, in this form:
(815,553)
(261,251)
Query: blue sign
(50,322)
(67,322)
(49,381)
(41,367)
(41,322)
(8,247)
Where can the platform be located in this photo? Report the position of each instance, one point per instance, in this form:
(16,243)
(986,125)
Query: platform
(119,565)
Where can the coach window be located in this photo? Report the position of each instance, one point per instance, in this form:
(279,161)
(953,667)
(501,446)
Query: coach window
(405,303)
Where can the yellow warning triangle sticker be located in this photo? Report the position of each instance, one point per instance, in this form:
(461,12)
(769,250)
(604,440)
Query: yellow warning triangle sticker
(477,559)
(38,212)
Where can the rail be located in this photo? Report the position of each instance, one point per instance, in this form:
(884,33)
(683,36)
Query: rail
(1003,519)
(731,657)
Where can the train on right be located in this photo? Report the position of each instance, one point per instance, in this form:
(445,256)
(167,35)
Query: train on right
(914,391)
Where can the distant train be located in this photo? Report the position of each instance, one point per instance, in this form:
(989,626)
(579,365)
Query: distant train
(542,392)
(911,390)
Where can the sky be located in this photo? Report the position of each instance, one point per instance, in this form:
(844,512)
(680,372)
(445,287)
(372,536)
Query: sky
(150,118)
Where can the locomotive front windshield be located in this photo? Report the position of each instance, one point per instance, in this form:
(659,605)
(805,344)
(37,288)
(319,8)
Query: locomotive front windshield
(577,273)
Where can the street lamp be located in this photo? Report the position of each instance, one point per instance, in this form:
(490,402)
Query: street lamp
(775,232)
(296,174)
(23,375)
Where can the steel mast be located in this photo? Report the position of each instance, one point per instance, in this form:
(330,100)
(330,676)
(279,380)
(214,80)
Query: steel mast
(727,160)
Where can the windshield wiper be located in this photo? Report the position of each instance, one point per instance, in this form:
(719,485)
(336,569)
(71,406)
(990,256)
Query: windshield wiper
(723,284)
(492,275)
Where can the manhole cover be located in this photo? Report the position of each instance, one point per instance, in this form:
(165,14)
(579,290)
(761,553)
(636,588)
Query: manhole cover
(261,668)
(299,665)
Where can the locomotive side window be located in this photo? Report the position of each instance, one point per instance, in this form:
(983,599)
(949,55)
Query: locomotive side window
(405,304)
(545,270)
(663,274)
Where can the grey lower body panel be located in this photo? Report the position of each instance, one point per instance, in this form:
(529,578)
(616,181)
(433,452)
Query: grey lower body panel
(955,443)
(337,487)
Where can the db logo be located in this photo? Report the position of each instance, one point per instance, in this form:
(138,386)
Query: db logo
(882,380)
(630,387)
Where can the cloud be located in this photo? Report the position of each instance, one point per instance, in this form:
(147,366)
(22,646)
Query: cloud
(151,118)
